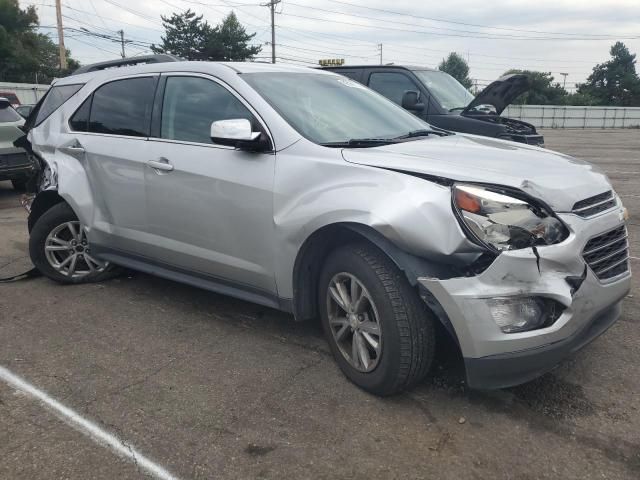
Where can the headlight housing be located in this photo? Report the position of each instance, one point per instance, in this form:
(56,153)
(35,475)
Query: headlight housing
(501,222)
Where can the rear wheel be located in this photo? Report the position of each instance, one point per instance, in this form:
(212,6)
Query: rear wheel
(380,332)
(60,249)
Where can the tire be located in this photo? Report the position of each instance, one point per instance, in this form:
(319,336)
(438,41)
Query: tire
(406,338)
(56,219)
(19,184)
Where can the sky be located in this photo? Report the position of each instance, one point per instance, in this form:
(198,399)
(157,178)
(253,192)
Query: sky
(558,36)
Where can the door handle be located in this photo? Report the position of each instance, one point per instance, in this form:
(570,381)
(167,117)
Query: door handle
(163,165)
(75,149)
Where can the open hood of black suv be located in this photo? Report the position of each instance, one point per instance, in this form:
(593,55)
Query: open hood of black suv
(500,93)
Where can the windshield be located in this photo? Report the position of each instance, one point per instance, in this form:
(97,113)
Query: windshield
(332,109)
(447,90)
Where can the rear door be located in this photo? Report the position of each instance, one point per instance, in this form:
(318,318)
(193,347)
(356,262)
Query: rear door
(109,133)
(210,207)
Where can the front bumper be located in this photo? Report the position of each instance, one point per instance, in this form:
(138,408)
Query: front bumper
(535,140)
(495,359)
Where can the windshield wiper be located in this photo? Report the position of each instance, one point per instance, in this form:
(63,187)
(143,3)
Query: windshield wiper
(360,142)
(415,133)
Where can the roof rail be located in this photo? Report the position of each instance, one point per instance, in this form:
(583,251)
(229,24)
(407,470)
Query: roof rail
(128,62)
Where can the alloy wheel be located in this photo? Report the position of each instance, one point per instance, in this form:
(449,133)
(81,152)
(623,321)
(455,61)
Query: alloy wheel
(67,250)
(354,322)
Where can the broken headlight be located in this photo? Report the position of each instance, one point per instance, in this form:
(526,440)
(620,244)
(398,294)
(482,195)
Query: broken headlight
(503,222)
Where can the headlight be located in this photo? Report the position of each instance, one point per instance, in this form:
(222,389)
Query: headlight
(503,222)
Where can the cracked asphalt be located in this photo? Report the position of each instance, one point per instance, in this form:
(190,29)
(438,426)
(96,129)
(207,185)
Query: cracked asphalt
(212,387)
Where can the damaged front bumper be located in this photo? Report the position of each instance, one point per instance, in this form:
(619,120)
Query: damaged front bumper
(588,306)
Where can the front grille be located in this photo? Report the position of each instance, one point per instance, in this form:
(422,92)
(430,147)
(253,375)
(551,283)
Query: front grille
(608,254)
(592,205)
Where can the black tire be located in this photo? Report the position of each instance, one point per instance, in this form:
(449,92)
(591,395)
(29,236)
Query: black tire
(52,218)
(407,325)
(19,184)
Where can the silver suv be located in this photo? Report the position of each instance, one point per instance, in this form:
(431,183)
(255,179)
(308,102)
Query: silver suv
(305,191)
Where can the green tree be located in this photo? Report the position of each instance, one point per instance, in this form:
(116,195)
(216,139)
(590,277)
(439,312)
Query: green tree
(190,37)
(186,36)
(543,89)
(616,81)
(457,67)
(25,53)
(229,41)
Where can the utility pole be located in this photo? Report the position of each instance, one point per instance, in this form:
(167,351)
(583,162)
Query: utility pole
(272,6)
(121,32)
(380,47)
(564,84)
(63,51)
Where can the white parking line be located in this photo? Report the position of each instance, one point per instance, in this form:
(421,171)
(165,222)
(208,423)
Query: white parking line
(87,427)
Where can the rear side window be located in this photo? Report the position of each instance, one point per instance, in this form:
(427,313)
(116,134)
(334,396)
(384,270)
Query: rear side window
(191,104)
(55,97)
(391,84)
(80,120)
(122,107)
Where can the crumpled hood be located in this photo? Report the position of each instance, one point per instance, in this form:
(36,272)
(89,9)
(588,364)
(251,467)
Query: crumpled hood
(555,178)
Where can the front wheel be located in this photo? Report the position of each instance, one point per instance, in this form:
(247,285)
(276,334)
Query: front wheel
(60,249)
(380,332)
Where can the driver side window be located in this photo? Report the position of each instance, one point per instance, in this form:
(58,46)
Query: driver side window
(191,104)
(392,85)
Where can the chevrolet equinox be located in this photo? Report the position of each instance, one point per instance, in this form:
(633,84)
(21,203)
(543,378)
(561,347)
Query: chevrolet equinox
(305,191)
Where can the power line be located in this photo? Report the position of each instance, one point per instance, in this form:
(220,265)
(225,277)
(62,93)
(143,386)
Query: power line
(486,37)
(470,24)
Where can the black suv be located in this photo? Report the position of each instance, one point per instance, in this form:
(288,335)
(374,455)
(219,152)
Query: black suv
(442,101)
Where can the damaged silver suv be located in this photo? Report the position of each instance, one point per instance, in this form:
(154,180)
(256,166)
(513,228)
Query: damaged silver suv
(305,191)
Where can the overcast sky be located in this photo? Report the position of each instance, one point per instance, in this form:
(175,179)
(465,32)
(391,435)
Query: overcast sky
(568,36)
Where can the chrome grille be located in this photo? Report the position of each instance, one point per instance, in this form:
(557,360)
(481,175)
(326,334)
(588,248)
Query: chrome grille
(608,254)
(596,204)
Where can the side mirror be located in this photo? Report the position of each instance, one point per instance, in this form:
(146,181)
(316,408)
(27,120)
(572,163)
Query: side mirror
(411,101)
(236,133)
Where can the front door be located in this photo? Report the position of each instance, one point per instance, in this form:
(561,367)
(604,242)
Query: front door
(209,207)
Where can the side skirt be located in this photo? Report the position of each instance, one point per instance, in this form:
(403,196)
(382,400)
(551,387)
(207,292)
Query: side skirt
(195,279)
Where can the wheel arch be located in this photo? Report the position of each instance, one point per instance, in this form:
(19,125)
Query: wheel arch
(320,243)
(43,202)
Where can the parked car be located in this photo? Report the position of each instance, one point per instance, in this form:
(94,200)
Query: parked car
(14,162)
(11,97)
(305,191)
(442,101)
(24,110)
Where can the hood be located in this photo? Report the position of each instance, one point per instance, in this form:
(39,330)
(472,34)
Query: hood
(555,178)
(500,93)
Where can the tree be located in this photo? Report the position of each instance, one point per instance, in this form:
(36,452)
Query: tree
(543,90)
(230,41)
(24,53)
(616,81)
(190,37)
(457,67)
(186,36)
